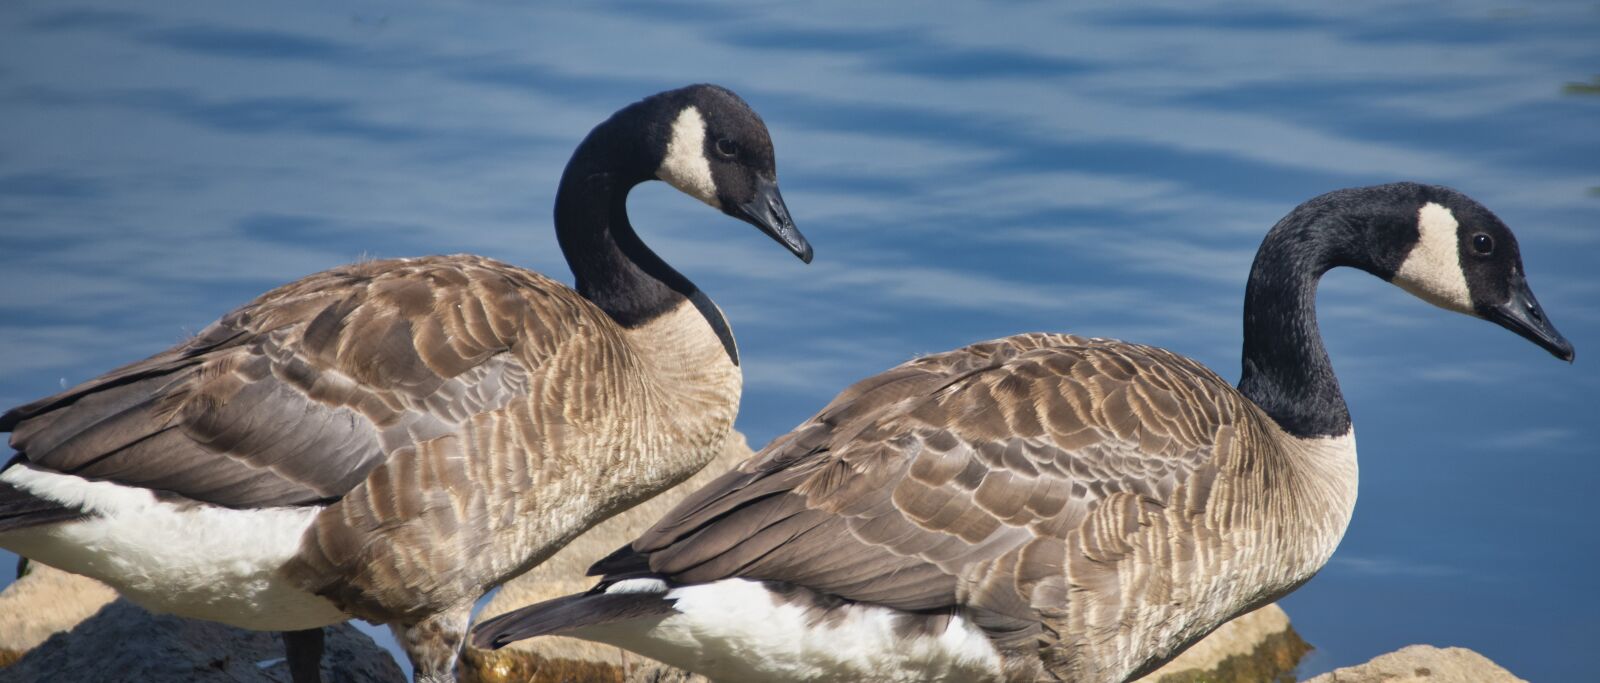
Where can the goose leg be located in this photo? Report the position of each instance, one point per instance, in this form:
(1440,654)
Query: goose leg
(304,649)
(434,643)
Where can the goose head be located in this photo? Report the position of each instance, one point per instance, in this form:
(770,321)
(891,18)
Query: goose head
(712,146)
(1459,256)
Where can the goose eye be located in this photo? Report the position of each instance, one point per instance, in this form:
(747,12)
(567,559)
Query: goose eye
(727,148)
(1483,244)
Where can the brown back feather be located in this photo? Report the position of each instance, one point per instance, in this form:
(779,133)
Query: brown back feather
(959,480)
(295,397)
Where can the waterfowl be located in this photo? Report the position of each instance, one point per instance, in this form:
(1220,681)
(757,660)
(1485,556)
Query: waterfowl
(390,439)
(1044,507)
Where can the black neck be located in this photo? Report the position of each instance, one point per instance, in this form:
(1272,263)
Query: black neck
(612,266)
(1286,369)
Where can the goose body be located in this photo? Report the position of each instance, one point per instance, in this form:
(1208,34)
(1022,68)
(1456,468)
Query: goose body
(464,436)
(391,439)
(1043,507)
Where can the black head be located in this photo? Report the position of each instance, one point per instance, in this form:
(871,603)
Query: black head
(1462,257)
(710,144)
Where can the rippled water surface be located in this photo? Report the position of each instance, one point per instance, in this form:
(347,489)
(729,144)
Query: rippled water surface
(965,172)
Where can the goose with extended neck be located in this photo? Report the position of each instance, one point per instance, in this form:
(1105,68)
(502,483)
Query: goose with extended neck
(391,439)
(1043,507)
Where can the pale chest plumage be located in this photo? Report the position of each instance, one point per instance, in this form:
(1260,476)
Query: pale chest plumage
(1228,540)
(640,430)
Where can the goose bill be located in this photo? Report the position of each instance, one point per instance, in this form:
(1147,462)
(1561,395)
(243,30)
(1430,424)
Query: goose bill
(768,212)
(1522,314)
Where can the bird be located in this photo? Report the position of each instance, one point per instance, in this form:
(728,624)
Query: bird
(391,439)
(1043,507)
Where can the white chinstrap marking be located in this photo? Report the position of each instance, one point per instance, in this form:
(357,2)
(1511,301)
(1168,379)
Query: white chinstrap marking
(685,165)
(194,560)
(1432,271)
(737,630)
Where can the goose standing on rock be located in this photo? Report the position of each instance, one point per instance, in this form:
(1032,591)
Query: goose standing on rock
(1043,507)
(391,439)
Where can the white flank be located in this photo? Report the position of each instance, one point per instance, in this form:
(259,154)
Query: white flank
(737,630)
(193,560)
(685,166)
(1432,271)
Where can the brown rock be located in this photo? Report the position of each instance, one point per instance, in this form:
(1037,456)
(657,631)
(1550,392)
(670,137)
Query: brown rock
(1423,664)
(45,601)
(1257,646)
(568,660)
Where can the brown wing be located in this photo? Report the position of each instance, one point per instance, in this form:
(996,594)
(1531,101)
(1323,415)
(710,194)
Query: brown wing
(953,480)
(295,397)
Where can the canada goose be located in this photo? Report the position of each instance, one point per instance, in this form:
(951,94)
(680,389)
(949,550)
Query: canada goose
(1043,507)
(389,440)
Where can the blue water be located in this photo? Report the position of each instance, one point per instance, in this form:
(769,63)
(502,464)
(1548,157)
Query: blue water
(965,172)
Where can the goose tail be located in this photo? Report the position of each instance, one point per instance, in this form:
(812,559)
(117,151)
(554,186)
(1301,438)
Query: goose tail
(563,616)
(20,509)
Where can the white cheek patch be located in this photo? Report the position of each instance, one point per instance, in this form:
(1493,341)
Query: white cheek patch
(685,166)
(1432,271)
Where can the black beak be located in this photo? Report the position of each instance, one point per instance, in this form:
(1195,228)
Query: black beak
(768,212)
(1521,314)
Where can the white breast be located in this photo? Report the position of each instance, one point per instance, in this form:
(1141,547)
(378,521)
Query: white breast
(193,560)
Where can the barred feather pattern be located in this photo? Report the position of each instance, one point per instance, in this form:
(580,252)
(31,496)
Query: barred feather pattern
(1093,505)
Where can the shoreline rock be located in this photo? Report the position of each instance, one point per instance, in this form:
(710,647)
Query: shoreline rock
(43,602)
(124,642)
(1256,646)
(1422,664)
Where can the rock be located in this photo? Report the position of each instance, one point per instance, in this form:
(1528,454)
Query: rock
(44,601)
(123,642)
(1423,664)
(1257,646)
(567,660)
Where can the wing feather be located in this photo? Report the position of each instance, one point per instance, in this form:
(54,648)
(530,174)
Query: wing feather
(296,397)
(959,480)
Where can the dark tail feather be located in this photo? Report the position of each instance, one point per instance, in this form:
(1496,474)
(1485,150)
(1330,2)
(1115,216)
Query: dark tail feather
(561,615)
(20,509)
(622,563)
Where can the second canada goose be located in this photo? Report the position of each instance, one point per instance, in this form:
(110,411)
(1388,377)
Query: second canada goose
(391,439)
(1044,507)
